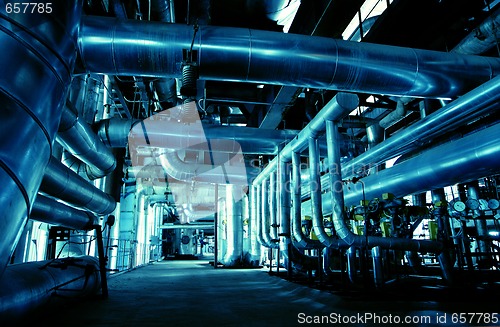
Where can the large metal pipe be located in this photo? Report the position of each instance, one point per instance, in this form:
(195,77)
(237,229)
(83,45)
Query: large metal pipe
(80,140)
(220,174)
(234,236)
(52,212)
(478,102)
(36,74)
(163,132)
(117,47)
(470,158)
(29,286)
(265,217)
(482,38)
(63,183)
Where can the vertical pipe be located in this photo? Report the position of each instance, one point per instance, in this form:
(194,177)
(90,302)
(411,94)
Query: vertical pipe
(378,274)
(216,227)
(284,197)
(273,208)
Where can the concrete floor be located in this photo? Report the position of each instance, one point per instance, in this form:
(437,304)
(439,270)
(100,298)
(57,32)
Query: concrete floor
(192,293)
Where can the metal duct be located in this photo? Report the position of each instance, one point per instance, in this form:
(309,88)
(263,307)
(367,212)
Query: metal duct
(63,183)
(80,140)
(116,47)
(220,174)
(341,105)
(114,132)
(470,158)
(298,238)
(234,237)
(52,212)
(28,286)
(482,38)
(36,73)
(478,102)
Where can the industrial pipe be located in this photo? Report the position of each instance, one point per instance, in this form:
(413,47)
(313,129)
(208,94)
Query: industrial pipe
(234,236)
(36,74)
(63,183)
(339,106)
(298,238)
(29,286)
(482,38)
(478,102)
(237,54)
(209,173)
(80,140)
(268,242)
(52,212)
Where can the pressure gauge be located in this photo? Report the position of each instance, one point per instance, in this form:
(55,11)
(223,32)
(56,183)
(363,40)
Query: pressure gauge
(483,205)
(493,204)
(459,206)
(472,204)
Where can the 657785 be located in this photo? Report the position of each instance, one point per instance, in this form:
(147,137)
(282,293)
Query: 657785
(28,7)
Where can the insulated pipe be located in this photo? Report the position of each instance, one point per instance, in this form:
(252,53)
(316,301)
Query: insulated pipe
(80,140)
(273,206)
(63,183)
(265,221)
(341,105)
(37,62)
(478,102)
(162,131)
(234,249)
(258,214)
(284,192)
(29,286)
(220,174)
(482,38)
(52,212)
(299,239)
(114,131)
(470,158)
(116,47)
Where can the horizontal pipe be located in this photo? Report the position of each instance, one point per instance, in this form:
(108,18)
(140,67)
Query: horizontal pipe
(482,38)
(80,140)
(478,102)
(119,47)
(52,212)
(30,286)
(63,183)
(225,173)
(470,158)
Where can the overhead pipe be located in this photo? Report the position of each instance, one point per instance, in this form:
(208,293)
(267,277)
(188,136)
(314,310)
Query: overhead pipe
(338,107)
(394,116)
(220,174)
(36,74)
(478,102)
(80,140)
(116,47)
(482,38)
(63,183)
(52,212)
(467,159)
(29,286)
